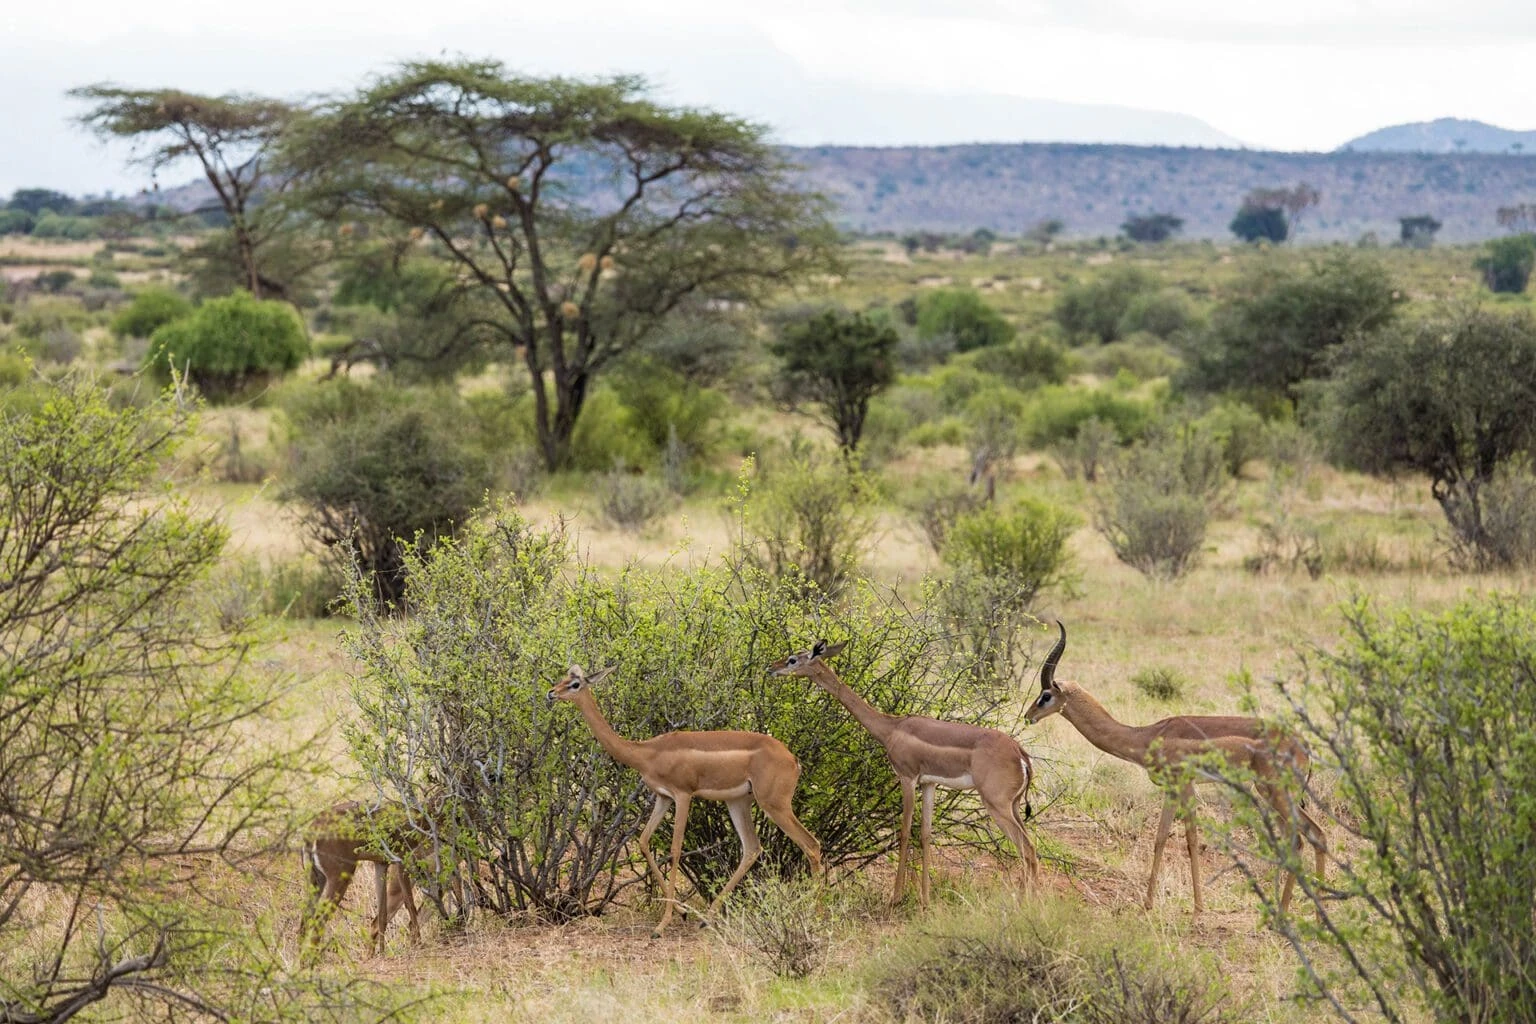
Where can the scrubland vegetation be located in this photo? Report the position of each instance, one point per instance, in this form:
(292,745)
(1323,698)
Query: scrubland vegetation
(349,545)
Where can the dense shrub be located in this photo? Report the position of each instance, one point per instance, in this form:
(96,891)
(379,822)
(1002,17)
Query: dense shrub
(1240,431)
(1096,309)
(994,418)
(1056,414)
(1163,314)
(664,406)
(227,345)
(150,309)
(1024,364)
(963,315)
(452,696)
(1159,498)
(1144,356)
(1423,720)
(1450,396)
(373,467)
(1507,263)
(1279,326)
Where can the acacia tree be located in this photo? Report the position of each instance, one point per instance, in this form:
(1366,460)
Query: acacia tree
(585,210)
(231,137)
(1449,396)
(838,361)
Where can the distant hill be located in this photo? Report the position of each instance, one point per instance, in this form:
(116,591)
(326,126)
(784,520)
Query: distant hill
(1092,189)
(1009,188)
(1446,135)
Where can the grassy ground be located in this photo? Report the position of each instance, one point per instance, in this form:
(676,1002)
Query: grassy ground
(1098,817)
(1096,823)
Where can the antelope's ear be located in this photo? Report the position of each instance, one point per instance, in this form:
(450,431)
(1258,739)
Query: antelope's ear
(826,650)
(820,645)
(601,674)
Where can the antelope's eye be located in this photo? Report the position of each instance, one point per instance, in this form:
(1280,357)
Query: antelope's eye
(1045,698)
(793,659)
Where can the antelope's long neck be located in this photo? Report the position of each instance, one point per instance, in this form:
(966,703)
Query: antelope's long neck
(879,724)
(1101,729)
(620,749)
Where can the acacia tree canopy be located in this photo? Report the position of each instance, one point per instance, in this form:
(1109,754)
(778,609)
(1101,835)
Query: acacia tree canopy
(586,210)
(231,137)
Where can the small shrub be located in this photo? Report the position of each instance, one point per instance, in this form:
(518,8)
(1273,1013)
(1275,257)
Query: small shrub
(994,417)
(374,466)
(1240,432)
(1159,500)
(788,927)
(1144,355)
(1025,544)
(1025,364)
(1096,309)
(301,588)
(1160,683)
(963,315)
(939,503)
(1055,414)
(1508,522)
(663,404)
(1353,550)
(1507,263)
(151,309)
(228,345)
(810,518)
(1162,314)
(61,346)
(604,437)
(631,501)
(1084,455)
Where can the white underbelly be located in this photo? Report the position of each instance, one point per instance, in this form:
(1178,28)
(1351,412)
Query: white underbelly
(725,794)
(960,782)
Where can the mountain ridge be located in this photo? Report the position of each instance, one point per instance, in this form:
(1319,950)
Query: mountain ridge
(1443,135)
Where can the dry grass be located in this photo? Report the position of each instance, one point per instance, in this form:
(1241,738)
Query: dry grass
(1096,822)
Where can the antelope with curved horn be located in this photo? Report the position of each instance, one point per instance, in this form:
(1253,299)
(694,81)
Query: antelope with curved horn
(927,753)
(1245,742)
(679,767)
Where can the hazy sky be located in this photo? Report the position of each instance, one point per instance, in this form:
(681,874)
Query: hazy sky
(1285,74)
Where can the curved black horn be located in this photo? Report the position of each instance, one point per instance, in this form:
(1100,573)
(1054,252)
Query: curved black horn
(1048,668)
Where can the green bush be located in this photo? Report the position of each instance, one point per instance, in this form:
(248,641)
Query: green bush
(1085,454)
(963,315)
(994,418)
(1096,309)
(1160,683)
(151,309)
(39,317)
(1282,325)
(1000,561)
(1239,430)
(604,437)
(396,465)
(228,345)
(837,361)
(1163,314)
(1025,544)
(1449,396)
(452,695)
(1056,413)
(1024,364)
(662,406)
(1424,721)
(1507,263)
(1143,355)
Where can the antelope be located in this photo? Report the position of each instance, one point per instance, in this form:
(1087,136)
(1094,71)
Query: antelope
(1245,742)
(679,767)
(335,843)
(927,753)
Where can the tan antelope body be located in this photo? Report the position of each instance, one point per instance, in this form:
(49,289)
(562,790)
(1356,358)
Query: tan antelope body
(336,841)
(734,767)
(927,753)
(1245,742)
